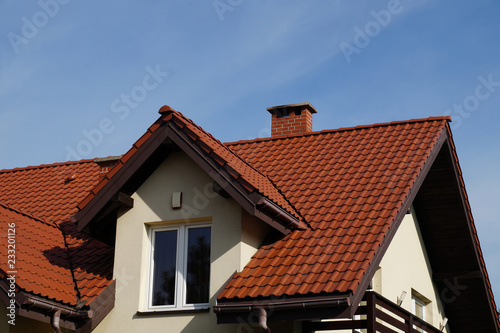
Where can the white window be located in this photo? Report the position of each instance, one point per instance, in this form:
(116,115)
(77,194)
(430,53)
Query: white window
(418,309)
(179,267)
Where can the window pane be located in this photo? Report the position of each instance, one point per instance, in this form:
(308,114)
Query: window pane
(198,265)
(419,310)
(165,254)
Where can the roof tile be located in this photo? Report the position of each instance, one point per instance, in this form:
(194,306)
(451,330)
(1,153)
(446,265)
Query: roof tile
(46,236)
(349,183)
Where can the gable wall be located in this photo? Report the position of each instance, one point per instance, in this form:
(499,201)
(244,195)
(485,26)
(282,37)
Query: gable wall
(405,267)
(152,206)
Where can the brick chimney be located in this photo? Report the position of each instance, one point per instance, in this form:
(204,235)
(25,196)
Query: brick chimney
(291,119)
(106,164)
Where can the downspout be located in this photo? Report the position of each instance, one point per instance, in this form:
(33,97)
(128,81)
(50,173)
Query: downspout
(263,321)
(56,318)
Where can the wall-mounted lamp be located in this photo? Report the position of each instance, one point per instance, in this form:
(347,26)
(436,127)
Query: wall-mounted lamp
(176,200)
(443,325)
(401,298)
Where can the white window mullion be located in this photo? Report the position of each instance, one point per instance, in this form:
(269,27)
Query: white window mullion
(184,265)
(180,290)
(151,266)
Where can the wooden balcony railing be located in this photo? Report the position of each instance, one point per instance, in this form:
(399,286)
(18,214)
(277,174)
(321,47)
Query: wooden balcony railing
(378,314)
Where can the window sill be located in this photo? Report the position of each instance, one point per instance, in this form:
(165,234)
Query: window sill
(170,312)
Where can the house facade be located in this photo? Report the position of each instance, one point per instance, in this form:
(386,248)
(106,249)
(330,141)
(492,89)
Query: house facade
(363,229)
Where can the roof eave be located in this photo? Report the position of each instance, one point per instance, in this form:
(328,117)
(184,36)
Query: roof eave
(473,234)
(285,308)
(276,215)
(477,277)
(42,309)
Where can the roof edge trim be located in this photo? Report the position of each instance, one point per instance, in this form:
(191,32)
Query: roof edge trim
(274,212)
(41,309)
(43,305)
(305,303)
(472,229)
(84,216)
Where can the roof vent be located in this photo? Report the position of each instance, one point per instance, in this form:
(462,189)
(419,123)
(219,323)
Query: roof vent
(291,119)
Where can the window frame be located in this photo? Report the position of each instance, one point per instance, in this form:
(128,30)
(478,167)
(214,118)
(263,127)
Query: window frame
(181,263)
(417,299)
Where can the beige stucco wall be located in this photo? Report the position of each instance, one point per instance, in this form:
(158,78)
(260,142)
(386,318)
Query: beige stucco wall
(405,267)
(235,238)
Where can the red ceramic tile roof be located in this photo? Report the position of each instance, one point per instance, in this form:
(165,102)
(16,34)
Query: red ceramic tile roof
(241,171)
(41,260)
(47,191)
(349,185)
(51,194)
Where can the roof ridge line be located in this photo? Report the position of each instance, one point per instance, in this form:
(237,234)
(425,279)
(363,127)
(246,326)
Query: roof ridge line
(340,129)
(42,166)
(31,216)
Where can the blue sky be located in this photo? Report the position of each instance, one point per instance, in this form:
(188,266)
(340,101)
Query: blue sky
(70,70)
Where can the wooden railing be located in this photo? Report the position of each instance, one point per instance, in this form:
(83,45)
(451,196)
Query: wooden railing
(377,314)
